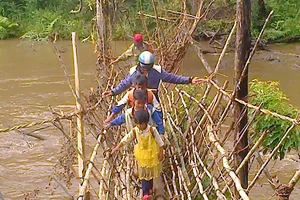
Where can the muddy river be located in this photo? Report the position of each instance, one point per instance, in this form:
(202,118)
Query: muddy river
(31,79)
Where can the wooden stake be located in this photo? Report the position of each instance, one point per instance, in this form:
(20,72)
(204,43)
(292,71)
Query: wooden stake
(80,133)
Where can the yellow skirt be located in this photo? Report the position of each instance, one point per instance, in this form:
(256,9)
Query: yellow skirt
(146,154)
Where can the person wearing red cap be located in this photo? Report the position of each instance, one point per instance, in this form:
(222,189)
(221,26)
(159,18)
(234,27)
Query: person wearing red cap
(134,50)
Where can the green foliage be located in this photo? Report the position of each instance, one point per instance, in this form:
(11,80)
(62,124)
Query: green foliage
(47,22)
(284,22)
(274,100)
(213,25)
(129,21)
(7,28)
(40,18)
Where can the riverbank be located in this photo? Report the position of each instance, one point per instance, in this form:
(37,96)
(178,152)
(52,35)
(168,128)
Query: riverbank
(53,20)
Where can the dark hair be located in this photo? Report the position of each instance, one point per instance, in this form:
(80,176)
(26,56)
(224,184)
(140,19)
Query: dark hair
(141,79)
(141,116)
(140,95)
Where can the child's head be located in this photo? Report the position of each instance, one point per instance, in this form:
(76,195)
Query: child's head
(140,99)
(140,82)
(141,119)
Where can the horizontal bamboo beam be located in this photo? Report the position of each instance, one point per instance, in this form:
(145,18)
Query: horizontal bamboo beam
(265,111)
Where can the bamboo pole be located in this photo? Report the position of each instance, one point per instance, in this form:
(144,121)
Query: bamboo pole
(205,170)
(294,179)
(173,174)
(186,178)
(247,157)
(198,181)
(161,38)
(226,165)
(84,185)
(167,185)
(127,193)
(103,180)
(180,179)
(199,104)
(225,48)
(270,156)
(266,171)
(80,131)
(65,71)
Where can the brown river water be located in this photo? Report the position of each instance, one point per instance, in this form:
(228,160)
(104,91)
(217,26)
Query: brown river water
(31,79)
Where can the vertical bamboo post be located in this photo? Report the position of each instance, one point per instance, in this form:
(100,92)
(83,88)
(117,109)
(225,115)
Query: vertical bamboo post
(243,43)
(80,133)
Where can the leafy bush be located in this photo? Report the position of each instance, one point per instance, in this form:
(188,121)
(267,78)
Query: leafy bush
(47,22)
(276,101)
(7,28)
(40,18)
(284,22)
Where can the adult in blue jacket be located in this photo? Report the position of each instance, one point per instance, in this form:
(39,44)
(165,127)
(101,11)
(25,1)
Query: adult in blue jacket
(155,74)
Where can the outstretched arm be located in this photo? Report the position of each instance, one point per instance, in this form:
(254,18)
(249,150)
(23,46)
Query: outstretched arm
(120,145)
(128,53)
(121,104)
(178,79)
(158,138)
(108,119)
(125,140)
(122,86)
(117,121)
(173,78)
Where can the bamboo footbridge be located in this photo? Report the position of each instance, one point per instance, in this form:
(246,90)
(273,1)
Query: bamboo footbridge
(200,157)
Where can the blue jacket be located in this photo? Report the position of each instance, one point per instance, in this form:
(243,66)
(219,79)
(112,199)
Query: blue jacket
(155,76)
(157,118)
(118,108)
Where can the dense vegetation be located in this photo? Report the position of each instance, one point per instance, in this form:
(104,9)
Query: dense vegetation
(285,22)
(37,19)
(275,100)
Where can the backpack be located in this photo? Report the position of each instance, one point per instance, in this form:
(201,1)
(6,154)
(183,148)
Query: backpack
(131,98)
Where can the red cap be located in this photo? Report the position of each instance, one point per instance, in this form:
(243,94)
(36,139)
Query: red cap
(138,37)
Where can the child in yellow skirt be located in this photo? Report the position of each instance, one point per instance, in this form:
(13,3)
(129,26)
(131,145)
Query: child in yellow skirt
(148,151)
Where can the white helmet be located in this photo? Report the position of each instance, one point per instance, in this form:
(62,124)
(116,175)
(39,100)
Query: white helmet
(146,58)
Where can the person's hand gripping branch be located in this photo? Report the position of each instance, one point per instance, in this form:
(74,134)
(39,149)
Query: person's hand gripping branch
(196,80)
(107,94)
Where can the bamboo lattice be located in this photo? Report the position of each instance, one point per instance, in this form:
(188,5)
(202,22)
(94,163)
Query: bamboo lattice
(199,161)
